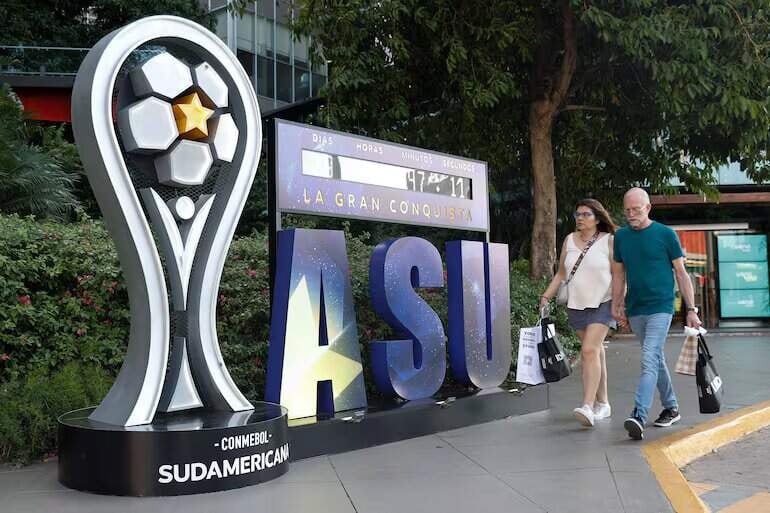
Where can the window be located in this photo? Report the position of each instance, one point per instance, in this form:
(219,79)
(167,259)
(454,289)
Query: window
(245,30)
(247,61)
(265,76)
(284,82)
(283,41)
(301,84)
(264,35)
(318,82)
(282,70)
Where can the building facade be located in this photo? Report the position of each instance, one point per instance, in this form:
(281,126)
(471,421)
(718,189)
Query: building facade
(725,245)
(277,62)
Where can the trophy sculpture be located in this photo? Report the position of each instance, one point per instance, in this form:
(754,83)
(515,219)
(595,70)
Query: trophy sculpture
(169,130)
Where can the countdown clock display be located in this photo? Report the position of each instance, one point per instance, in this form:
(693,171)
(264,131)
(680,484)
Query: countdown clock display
(357,170)
(324,172)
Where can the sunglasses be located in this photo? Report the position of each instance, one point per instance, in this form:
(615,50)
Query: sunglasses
(578,215)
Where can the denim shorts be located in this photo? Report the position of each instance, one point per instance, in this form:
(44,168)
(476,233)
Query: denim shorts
(602,314)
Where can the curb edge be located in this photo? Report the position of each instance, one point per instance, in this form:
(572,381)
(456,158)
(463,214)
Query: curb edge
(667,455)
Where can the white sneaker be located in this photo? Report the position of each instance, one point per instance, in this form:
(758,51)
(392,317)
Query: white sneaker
(584,415)
(602,410)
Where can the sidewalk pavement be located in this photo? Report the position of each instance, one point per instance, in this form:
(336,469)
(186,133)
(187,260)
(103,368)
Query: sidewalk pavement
(542,462)
(735,478)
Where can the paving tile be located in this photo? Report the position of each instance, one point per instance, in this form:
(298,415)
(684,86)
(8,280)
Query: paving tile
(555,455)
(497,432)
(318,470)
(701,488)
(42,477)
(429,456)
(69,501)
(640,493)
(273,498)
(759,502)
(624,458)
(568,492)
(728,495)
(446,494)
(518,430)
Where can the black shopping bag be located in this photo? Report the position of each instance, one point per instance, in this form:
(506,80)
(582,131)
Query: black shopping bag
(710,389)
(553,360)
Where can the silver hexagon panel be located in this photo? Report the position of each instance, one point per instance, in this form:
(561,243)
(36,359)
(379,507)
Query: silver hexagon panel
(147,125)
(162,75)
(187,163)
(223,136)
(211,85)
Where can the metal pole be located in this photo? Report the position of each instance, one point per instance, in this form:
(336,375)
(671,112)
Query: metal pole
(254,37)
(274,214)
(275,55)
(291,60)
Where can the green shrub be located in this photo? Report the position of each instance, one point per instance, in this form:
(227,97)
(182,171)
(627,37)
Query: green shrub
(62,296)
(38,167)
(30,405)
(243,313)
(525,298)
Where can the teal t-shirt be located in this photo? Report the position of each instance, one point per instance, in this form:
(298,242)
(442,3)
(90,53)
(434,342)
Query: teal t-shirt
(646,255)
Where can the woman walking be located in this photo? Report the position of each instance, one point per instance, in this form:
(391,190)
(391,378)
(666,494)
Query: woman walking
(585,265)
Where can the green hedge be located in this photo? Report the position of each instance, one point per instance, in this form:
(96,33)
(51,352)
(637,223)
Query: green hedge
(62,296)
(63,300)
(30,405)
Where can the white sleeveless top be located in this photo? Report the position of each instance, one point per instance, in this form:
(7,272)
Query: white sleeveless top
(592,283)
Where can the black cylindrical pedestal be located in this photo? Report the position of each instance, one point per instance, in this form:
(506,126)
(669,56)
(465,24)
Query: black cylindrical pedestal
(178,454)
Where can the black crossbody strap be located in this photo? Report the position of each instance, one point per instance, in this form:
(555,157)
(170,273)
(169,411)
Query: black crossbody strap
(582,256)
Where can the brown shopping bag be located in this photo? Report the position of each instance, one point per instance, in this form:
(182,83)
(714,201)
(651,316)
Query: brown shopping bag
(685,364)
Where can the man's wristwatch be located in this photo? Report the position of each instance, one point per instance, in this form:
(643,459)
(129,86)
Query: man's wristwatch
(693,309)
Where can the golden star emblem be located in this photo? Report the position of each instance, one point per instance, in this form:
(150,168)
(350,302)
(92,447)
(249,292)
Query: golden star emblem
(191,117)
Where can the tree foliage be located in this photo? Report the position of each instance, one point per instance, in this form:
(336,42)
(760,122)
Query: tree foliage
(81,23)
(595,96)
(38,167)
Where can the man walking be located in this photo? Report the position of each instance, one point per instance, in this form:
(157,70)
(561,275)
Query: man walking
(645,252)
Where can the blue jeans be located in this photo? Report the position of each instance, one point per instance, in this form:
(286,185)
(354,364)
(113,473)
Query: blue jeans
(652,331)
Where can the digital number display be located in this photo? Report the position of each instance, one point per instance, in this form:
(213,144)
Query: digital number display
(351,169)
(324,172)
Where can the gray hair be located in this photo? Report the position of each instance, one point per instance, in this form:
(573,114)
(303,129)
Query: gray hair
(638,191)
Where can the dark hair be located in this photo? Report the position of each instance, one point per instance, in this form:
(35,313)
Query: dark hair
(606,224)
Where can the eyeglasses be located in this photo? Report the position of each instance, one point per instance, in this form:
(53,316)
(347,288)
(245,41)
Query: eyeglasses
(634,210)
(578,215)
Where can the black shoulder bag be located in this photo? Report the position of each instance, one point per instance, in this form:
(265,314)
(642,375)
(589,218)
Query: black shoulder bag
(710,389)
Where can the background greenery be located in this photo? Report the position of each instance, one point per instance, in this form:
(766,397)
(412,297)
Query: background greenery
(39,168)
(81,23)
(563,98)
(64,320)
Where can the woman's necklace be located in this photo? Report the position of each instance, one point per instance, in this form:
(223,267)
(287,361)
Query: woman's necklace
(589,238)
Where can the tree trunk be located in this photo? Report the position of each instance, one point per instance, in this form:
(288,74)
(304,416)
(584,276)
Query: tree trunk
(549,90)
(543,248)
